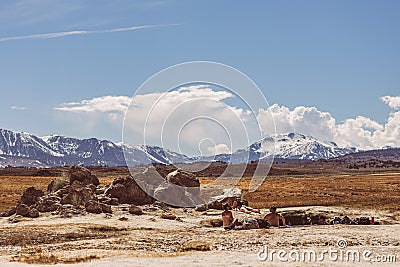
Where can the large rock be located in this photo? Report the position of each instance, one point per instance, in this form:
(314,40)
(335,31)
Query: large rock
(30,196)
(81,174)
(93,207)
(169,193)
(126,190)
(26,211)
(184,179)
(77,194)
(180,188)
(135,210)
(228,196)
(9,212)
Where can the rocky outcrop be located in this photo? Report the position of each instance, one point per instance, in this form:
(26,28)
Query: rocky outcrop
(65,197)
(83,175)
(26,211)
(127,191)
(30,196)
(180,188)
(78,195)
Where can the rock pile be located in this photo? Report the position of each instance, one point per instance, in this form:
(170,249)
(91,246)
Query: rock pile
(79,191)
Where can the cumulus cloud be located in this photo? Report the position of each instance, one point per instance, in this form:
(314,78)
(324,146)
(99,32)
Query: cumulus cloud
(182,118)
(360,132)
(177,119)
(392,101)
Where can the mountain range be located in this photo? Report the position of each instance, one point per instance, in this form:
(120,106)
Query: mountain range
(23,149)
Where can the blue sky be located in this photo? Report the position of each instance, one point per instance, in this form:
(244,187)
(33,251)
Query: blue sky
(337,56)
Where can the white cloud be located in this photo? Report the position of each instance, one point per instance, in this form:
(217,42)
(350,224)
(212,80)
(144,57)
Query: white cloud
(219,149)
(17,108)
(184,117)
(360,132)
(392,101)
(178,119)
(112,104)
(83,32)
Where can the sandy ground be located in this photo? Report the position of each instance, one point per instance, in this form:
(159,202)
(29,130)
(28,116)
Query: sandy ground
(122,239)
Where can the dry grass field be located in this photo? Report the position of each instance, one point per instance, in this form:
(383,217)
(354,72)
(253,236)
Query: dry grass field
(285,187)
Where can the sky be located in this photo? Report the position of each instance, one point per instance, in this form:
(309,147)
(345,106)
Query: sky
(330,69)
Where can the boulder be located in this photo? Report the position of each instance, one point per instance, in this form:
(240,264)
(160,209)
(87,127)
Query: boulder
(105,208)
(180,188)
(126,190)
(83,175)
(93,207)
(30,196)
(228,196)
(9,212)
(78,195)
(169,193)
(201,208)
(23,210)
(135,210)
(33,213)
(184,179)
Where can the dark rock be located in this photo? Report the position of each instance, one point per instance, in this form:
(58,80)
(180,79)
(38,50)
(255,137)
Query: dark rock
(83,175)
(229,195)
(126,190)
(9,212)
(23,210)
(185,179)
(201,208)
(168,216)
(135,210)
(111,201)
(33,213)
(105,208)
(93,207)
(30,196)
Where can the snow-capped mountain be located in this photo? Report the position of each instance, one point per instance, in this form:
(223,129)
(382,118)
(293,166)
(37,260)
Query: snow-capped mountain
(286,146)
(298,146)
(23,149)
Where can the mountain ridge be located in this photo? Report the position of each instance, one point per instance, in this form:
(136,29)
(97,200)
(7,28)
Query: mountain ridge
(24,149)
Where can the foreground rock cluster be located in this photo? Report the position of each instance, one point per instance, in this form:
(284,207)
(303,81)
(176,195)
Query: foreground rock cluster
(78,191)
